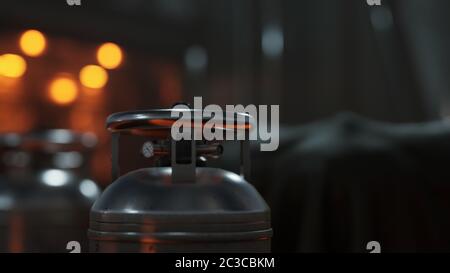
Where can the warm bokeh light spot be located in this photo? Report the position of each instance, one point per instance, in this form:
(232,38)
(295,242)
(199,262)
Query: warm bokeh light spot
(32,43)
(109,55)
(1,65)
(63,90)
(93,76)
(12,66)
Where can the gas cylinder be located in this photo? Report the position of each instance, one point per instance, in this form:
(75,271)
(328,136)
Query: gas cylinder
(45,191)
(181,206)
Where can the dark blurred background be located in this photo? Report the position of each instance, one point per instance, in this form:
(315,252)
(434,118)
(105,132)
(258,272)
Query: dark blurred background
(315,58)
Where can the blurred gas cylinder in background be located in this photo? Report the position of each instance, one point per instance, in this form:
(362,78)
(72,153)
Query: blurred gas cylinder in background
(45,190)
(179,207)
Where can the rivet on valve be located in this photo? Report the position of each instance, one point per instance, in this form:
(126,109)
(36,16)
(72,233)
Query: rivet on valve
(148,149)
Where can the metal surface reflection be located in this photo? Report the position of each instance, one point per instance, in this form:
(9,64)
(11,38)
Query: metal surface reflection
(45,193)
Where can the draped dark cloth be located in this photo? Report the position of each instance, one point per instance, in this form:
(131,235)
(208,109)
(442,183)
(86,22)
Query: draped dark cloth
(337,184)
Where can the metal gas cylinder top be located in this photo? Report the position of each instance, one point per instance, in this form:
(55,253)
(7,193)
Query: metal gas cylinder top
(155,122)
(45,189)
(48,168)
(59,140)
(180,202)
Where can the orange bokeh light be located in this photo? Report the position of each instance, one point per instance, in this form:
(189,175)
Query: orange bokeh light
(93,76)
(12,66)
(109,55)
(32,43)
(63,90)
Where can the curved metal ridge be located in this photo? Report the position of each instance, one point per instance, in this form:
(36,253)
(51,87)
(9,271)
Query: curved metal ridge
(162,119)
(55,138)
